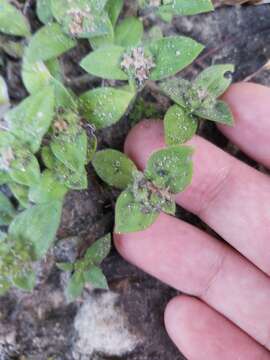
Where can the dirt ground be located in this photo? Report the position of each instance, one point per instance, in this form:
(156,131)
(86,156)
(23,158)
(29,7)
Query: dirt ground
(125,323)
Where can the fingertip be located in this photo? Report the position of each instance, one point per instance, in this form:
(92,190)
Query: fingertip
(144,138)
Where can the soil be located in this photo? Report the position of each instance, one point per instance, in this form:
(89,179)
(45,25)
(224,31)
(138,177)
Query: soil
(125,323)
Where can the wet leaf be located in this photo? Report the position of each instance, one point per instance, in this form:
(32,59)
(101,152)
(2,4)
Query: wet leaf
(47,43)
(20,192)
(70,147)
(176,89)
(220,113)
(130,216)
(179,126)
(184,8)
(31,119)
(98,251)
(129,32)
(12,20)
(96,63)
(105,106)
(48,189)
(115,168)
(173,54)
(35,75)
(114,8)
(37,226)
(72,179)
(24,169)
(44,12)
(214,80)
(171,168)
(7,211)
(96,278)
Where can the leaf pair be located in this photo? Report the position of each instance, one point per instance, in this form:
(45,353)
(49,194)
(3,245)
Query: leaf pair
(168,171)
(87,269)
(169,56)
(197,99)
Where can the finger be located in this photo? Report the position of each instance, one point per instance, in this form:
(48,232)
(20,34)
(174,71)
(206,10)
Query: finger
(233,198)
(190,260)
(251,133)
(199,332)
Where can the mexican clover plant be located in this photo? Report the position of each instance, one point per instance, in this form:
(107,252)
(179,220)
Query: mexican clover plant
(48,139)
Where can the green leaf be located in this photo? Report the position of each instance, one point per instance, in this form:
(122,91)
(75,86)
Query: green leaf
(25,281)
(171,168)
(20,192)
(220,113)
(114,8)
(177,90)
(96,63)
(12,20)
(96,278)
(70,147)
(179,126)
(104,40)
(7,211)
(98,251)
(184,8)
(24,169)
(75,286)
(35,75)
(37,226)
(129,32)
(104,106)
(115,168)
(214,79)
(48,189)
(31,119)
(173,54)
(4,177)
(47,43)
(44,12)
(65,266)
(131,216)
(4,98)
(72,179)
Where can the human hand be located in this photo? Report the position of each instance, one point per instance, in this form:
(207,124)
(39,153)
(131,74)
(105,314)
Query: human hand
(226,314)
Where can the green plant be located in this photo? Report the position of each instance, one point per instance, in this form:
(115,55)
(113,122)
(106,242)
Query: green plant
(45,144)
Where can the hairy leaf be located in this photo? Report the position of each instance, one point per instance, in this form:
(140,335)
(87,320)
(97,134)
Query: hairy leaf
(179,126)
(115,168)
(184,8)
(130,216)
(105,106)
(37,226)
(129,32)
(96,63)
(98,251)
(220,112)
(171,168)
(12,20)
(96,278)
(173,54)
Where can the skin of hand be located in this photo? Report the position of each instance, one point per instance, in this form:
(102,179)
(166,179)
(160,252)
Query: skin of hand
(225,312)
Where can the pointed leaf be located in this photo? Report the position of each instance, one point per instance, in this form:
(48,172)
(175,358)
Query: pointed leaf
(48,189)
(12,20)
(25,281)
(48,42)
(31,119)
(44,12)
(4,98)
(114,167)
(179,126)
(98,251)
(96,278)
(131,216)
(96,63)
(214,79)
(129,32)
(171,168)
(105,106)
(114,8)
(20,192)
(177,90)
(65,266)
(7,211)
(75,286)
(173,54)
(37,226)
(184,8)
(220,113)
